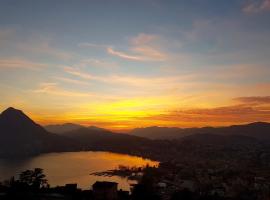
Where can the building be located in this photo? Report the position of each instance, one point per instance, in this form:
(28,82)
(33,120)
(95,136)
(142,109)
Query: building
(103,190)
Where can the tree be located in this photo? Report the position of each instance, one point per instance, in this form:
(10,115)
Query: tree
(34,178)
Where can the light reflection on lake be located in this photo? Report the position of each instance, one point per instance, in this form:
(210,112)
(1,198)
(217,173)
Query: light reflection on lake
(74,167)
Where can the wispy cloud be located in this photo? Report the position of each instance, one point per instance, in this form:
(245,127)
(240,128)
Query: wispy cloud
(86,63)
(20,63)
(72,81)
(213,116)
(43,46)
(139,53)
(79,73)
(143,47)
(244,110)
(124,55)
(256,6)
(157,82)
(143,39)
(54,89)
(254,99)
(87,44)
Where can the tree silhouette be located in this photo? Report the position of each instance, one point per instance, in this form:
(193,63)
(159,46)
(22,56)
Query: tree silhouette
(34,178)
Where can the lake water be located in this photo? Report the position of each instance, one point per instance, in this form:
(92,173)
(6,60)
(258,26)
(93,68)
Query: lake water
(74,167)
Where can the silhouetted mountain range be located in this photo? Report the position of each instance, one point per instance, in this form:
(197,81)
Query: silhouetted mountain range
(20,136)
(258,130)
(67,127)
(62,128)
(101,139)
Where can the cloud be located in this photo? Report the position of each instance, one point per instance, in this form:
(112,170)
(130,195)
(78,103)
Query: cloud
(256,6)
(87,44)
(53,89)
(254,99)
(214,116)
(43,46)
(73,81)
(96,63)
(143,39)
(144,47)
(76,72)
(20,63)
(247,109)
(150,53)
(124,55)
(100,63)
(140,53)
(33,44)
(146,82)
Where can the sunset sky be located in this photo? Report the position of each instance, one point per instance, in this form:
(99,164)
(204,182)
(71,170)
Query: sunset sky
(121,64)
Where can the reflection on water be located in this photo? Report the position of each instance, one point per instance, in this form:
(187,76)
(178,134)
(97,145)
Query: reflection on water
(74,167)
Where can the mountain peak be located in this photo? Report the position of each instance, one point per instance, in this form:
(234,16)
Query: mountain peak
(15,117)
(259,123)
(12,112)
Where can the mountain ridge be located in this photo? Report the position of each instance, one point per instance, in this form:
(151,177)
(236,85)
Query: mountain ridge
(21,136)
(259,130)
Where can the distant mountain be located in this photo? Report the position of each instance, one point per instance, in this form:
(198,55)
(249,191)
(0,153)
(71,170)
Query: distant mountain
(67,127)
(259,130)
(96,128)
(155,132)
(62,128)
(21,136)
(101,139)
(168,133)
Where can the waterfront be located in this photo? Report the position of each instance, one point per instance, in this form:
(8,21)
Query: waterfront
(74,167)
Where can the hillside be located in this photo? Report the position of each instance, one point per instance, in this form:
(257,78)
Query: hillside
(258,130)
(21,136)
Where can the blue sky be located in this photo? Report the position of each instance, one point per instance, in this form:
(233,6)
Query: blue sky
(111,62)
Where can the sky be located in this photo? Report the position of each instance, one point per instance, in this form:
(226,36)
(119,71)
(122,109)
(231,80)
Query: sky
(121,64)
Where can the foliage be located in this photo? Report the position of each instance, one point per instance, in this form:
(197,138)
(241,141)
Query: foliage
(33,178)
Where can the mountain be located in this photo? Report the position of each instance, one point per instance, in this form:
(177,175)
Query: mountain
(67,127)
(258,130)
(104,140)
(62,128)
(167,133)
(21,136)
(155,132)
(96,128)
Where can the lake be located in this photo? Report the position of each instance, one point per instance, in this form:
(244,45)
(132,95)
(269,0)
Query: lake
(74,167)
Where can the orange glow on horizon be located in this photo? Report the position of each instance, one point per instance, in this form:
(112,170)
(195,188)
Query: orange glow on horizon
(170,111)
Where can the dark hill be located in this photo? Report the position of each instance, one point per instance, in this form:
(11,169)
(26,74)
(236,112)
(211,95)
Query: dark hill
(21,136)
(62,128)
(258,130)
(67,127)
(104,140)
